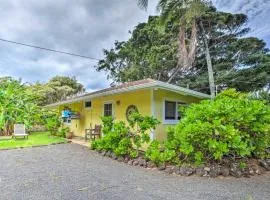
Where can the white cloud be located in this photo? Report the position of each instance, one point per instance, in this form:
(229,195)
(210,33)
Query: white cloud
(258,12)
(84,27)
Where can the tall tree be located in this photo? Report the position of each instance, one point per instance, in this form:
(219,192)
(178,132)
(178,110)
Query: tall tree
(240,62)
(188,12)
(149,53)
(56,89)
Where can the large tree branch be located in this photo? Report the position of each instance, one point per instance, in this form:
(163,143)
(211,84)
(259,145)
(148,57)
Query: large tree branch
(193,45)
(186,53)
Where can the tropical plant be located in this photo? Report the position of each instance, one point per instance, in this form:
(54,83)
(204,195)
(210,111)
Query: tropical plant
(63,131)
(122,139)
(188,12)
(232,125)
(108,123)
(17,105)
(164,152)
(56,89)
(159,154)
(151,52)
(51,120)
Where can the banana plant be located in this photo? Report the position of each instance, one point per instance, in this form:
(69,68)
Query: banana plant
(17,105)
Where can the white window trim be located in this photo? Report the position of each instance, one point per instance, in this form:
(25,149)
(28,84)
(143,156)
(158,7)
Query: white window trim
(88,108)
(108,102)
(171,121)
(67,123)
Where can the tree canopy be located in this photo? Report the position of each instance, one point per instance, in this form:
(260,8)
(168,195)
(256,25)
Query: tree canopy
(152,52)
(56,89)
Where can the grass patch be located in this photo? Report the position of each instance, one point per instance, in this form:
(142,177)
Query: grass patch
(35,139)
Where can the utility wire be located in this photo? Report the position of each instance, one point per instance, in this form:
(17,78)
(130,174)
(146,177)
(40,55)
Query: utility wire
(47,49)
(73,54)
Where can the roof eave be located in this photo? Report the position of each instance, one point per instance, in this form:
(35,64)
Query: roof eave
(116,91)
(157,84)
(182,90)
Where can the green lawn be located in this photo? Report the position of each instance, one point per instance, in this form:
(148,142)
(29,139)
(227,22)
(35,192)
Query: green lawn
(35,139)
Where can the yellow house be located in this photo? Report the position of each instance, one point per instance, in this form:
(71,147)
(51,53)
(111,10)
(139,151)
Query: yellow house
(150,97)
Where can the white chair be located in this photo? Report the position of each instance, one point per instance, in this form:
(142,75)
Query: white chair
(19,131)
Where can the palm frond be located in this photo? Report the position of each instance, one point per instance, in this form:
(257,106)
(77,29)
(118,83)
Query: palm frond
(167,7)
(143,4)
(162,5)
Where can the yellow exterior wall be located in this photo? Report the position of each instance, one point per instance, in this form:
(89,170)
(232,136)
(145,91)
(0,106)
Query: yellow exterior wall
(159,97)
(91,116)
(148,101)
(77,125)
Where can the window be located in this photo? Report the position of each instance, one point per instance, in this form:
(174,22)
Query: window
(108,109)
(87,104)
(67,121)
(172,112)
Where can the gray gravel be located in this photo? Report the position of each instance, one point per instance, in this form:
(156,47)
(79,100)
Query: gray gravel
(70,171)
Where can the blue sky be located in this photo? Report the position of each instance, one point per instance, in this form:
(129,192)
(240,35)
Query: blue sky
(85,27)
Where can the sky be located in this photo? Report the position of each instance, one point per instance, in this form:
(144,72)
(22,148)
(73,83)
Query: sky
(85,27)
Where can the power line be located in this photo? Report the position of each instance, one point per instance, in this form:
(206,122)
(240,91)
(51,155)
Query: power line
(47,49)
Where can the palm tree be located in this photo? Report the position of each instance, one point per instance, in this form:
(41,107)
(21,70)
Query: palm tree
(190,11)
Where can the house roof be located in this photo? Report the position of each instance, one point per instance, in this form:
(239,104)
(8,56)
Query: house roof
(131,86)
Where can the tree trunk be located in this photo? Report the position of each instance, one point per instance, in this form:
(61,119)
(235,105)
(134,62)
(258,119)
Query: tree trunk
(209,63)
(186,53)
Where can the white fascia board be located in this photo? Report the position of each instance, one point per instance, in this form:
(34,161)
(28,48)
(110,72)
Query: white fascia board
(182,90)
(111,92)
(158,84)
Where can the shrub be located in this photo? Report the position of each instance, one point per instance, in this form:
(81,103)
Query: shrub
(62,132)
(121,139)
(163,152)
(230,125)
(51,121)
(107,124)
(159,155)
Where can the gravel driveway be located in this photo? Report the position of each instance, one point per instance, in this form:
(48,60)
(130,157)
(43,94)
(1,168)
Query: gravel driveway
(70,171)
